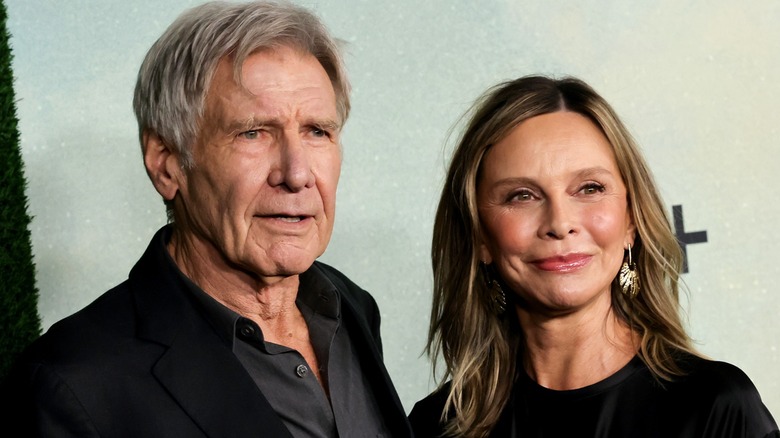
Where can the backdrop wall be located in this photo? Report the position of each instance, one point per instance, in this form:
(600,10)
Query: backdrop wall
(695,81)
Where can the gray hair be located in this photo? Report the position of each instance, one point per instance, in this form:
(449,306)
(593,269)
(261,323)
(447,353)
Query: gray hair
(175,76)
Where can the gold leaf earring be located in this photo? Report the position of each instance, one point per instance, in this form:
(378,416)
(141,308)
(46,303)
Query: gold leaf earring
(629,277)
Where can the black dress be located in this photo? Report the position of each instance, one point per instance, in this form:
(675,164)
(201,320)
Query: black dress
(714,400)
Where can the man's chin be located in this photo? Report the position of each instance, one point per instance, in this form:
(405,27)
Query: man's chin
(281,259)
(280,269)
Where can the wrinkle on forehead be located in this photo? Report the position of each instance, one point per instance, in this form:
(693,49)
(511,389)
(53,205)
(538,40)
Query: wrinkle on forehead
(267,96)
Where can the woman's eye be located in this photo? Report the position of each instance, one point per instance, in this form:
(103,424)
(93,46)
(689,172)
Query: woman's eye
(522,195)
(592,188)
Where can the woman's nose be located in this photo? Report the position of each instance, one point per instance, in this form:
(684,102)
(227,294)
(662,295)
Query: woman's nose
(561,219)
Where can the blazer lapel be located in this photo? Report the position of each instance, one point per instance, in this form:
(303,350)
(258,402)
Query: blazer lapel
(212,386)
(197,369)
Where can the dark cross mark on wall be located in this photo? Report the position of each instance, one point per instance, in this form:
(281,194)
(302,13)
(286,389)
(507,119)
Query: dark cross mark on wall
(684,238)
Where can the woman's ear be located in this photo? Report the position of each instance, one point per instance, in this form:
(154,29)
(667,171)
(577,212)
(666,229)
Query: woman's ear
(162,165)
(630,229)
(484,253)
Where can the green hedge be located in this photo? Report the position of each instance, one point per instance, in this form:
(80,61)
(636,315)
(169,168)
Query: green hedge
(20,322)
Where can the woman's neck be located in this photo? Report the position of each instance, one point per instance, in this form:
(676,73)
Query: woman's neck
(572,351)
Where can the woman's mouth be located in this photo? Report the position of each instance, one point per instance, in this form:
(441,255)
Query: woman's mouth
(567,263)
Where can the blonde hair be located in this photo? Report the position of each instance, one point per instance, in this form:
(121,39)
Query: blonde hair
(480,349)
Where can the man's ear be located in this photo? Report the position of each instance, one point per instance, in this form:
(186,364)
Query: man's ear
(162,165)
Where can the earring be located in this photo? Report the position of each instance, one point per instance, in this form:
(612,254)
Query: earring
(629,277)
(498,297)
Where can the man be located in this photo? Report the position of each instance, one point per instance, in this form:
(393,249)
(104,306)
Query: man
(226,326)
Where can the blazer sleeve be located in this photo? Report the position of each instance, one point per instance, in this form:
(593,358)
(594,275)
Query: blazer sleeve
(38,402)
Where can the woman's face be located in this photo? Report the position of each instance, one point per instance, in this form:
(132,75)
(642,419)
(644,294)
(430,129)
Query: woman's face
(554,213)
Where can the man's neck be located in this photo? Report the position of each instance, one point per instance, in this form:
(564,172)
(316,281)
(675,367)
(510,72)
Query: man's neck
(269,302)
(261,299)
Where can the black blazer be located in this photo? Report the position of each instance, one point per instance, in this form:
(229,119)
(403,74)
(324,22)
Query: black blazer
(141,361)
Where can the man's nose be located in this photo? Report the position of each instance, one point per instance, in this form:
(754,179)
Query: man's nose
(293,167)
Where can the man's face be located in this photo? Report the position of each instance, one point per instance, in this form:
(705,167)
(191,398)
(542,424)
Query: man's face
(261,194)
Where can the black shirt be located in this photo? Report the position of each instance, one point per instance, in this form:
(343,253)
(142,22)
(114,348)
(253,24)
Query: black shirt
(714,400)
(283,376)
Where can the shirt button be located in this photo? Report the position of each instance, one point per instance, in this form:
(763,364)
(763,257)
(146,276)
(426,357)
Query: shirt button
(301,370)
(247,331)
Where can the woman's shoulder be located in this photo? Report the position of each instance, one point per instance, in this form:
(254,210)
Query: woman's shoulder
(727,393)
(426,414)
(720,377)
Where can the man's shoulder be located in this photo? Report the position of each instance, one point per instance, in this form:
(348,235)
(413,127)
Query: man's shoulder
(100,322)
(94,344)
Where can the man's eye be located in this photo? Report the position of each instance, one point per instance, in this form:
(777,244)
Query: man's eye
(250,135)
(319,132)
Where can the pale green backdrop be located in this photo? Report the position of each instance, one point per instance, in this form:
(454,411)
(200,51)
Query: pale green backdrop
(696,81)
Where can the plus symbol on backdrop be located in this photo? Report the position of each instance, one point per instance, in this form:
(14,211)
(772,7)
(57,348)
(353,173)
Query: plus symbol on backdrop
(684,238)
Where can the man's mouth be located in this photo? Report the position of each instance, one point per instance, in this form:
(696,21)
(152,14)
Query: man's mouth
(285,218)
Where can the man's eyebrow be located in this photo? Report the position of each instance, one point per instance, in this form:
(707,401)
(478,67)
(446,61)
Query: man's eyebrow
(328,123)
(237,126)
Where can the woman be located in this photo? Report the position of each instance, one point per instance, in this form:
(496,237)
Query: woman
(556,277)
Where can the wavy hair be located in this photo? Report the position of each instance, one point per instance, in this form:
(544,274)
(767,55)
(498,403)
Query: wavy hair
(480,349)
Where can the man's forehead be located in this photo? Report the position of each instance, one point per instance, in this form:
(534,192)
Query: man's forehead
(237,61)
(270,99)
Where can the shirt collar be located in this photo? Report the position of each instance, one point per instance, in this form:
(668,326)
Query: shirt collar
(317,295)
